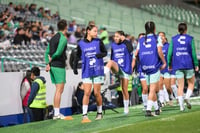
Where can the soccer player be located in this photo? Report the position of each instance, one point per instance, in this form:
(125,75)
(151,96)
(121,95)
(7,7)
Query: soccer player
(183,59)
(55,58)
(149,52)
(120,63)
(165,78)
(91,51)
(141,77)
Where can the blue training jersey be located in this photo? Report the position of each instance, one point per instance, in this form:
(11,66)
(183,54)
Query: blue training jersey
(122,57)
(91,65)
(182,52)
(148,54)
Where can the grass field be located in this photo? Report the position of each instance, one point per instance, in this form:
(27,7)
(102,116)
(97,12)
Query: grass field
(171,120)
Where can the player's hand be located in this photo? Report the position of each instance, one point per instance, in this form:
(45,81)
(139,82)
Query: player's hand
(163,66)
(75,71)
(48,68)
(49,58)
(170,68)
(99,56)
(196,68)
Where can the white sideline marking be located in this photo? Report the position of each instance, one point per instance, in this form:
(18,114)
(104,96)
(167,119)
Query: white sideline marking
(109,129)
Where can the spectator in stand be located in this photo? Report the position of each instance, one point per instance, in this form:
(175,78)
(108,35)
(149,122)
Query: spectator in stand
(5,28)
(40,12)
(91,22)
(104,37)
(56,16)
(35,34)
(4,42)
(47,13)
(19,38)
(78,33)
(32,9)
(11,8)
(74,25)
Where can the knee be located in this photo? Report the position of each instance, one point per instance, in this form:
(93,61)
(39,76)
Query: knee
(97,94)
(87,94)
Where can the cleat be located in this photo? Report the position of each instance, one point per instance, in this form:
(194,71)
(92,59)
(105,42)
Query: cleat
(68,118)
(170,103)
(157,112)
(60,116)
(189,106)
(148,113)
(85,119)
(99,116)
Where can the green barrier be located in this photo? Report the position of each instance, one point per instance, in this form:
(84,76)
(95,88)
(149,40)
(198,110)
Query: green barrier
(19,60)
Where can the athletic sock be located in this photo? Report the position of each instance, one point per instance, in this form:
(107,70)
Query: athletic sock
(85,109)
(145,99)
(188,94)
(106,70)
(149,104)
(174,89)
(180,99)
(155,104)
(166,95)
(126,103)
(99,109)
(56,111)
(161,96)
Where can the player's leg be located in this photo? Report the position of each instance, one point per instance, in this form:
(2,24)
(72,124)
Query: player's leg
(124,84)
(191,81)
(87,92)
(180,79)
(97,93)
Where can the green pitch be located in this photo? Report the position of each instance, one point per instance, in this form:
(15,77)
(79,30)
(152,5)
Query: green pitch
(171,120)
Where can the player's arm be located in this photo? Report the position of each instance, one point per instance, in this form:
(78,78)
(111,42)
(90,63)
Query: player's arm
(194,56)
(76,59)
(34,90)
(169,55)
(46,55)
(160,53)
(103,51)
(62,44)
(129,46)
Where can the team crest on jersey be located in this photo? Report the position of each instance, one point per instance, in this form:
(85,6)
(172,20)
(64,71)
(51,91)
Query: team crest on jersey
(92,61)
(147,44)
(181,39)
(120,61)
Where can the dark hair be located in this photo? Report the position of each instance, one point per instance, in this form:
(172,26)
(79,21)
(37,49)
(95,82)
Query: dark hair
(62,24)
(89,27)
(35,71)
(91,23)
(120,32)
(149,28)
(141,34)
(182,27)
(163,34)
(27,76)
(79,84)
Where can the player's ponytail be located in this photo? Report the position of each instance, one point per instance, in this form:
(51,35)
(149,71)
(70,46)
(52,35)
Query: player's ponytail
(182,27)
(149,28)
